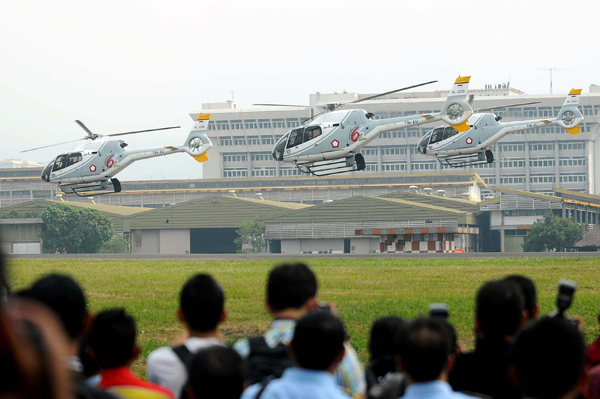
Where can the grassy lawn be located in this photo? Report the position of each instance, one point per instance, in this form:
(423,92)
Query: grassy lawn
(362,290)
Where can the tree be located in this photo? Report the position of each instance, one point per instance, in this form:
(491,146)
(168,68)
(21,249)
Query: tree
(116,245)
(251,237)
(552,233)
(71,230)
(16,215)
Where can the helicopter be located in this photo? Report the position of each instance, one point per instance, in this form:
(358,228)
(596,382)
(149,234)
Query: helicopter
(331,141)
(471,147)
(91,168)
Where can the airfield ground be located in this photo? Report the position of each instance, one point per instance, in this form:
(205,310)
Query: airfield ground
(361,289)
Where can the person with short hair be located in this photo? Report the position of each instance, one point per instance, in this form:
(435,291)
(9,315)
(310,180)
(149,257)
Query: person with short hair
(112,341)
(425,356)
(317,348)
(65,297)
(215,372)
(201,310)
(291,293)
(549,361)
(499,317)
(528,290)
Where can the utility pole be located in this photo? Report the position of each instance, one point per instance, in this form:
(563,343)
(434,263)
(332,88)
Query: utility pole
(552,70)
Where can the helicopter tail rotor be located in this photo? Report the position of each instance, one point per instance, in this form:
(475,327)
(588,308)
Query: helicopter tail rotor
(197,143)
(569,117)
(456,109)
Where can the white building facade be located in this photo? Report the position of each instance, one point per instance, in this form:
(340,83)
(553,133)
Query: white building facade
(537,160)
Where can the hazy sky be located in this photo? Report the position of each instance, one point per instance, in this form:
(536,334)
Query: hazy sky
(129,65)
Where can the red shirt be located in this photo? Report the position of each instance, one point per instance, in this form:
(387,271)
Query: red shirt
(593,353)
(123,383)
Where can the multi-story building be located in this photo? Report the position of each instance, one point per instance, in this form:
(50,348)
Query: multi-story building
(536,160)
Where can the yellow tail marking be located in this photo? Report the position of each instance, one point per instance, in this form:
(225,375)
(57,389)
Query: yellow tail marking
(463,79)
(575,92)
(201,158)
(574,130)
(463,127)
(203,117)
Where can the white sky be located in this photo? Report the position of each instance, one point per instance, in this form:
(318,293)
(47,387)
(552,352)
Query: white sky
(127,65)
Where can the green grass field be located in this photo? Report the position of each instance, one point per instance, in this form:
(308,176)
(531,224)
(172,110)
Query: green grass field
(361,289)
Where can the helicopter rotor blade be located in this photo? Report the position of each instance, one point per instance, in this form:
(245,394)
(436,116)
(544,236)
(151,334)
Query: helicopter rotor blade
(314,116)
(505,106)
(141,131)
(53,145)
(88,131)
(282,105)
(389,92)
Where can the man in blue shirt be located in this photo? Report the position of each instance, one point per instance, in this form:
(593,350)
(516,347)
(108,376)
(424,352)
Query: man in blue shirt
(317,348)
(425,357)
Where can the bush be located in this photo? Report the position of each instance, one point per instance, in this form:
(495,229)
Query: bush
(116,245)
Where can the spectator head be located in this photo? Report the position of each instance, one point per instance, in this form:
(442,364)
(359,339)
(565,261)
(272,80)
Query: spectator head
(383,333)
(318,342)
(201,304)
(529,294)
(451,334)
(291,286)
(382,346)
(498,310)
(216,372)
(112,339)
(549,359)
(65,298)
(424,350)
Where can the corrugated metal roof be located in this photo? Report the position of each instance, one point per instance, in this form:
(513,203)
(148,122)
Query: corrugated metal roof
(115,213)
(209,212)
(444,202)
(590,239)
(362,208)
(577,195)
(526,194)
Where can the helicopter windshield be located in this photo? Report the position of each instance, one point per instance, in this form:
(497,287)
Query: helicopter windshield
(422,146)
(331,117)
(60,162)
(296,137)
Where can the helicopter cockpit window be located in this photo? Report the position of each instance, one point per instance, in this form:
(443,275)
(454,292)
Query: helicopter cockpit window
(437,135)
(60,163)
(312,132)
(74,158)
(449,131)
(296,137)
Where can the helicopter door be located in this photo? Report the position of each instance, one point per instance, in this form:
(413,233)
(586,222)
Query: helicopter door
(74,158)
(296,138)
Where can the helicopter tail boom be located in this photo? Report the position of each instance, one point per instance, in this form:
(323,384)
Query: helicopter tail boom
(569,117)
(456,109)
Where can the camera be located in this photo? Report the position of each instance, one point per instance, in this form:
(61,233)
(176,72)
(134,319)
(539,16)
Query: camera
(564,299)
(439,310)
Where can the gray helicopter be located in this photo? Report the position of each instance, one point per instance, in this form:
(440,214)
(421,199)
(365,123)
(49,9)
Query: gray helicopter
(331,141)
(471,147)
(91,168)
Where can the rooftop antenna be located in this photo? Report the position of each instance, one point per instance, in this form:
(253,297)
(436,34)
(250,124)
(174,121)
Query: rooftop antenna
(232,95)
(551,71)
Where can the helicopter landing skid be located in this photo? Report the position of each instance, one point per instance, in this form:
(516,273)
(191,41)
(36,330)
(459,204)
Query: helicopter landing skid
(468,160)
(88,190)
(333,167)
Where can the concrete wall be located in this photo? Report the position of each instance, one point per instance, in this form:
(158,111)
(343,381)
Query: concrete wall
(5,248)
(335,245)
(150,243)
(364,245)
(174,241)
(521,220)
(513,243)
(290,246)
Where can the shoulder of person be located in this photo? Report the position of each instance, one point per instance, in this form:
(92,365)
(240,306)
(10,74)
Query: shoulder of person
(161,354)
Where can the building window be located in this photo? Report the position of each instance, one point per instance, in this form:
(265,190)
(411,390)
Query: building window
(278,124)
(542,179)
(225,141)
(222,125)
(512,179)
(571,161)
(264,124)
(541,147)
(292,122)
(234,158)
(236,125)
(239,140)
(422,166)
(393,167)
(573,178)
(267,140)
(369,151)
(235,173)
(512,163)
(542,162)
(572,146)
(253,140)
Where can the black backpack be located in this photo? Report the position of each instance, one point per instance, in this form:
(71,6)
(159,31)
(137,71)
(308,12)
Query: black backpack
(264,362)
(185,356)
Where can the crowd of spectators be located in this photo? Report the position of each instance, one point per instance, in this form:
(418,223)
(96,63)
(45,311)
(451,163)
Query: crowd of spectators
(52,347)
